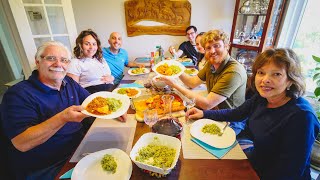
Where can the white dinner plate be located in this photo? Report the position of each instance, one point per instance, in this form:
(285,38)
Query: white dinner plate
(195,72)
(146,71)
(135,96)
(105,94)
(90,167)
(169,62)
(224,141)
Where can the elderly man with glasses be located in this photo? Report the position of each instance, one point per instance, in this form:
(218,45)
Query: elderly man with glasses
(188,48)
(41,117)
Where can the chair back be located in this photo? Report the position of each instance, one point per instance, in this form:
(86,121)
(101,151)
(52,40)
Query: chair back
(5,172)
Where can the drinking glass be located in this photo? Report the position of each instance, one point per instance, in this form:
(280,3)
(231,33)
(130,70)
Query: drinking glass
(189,103)
(150,117)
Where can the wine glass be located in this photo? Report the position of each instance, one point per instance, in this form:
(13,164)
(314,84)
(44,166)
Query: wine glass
(150,117)
(189,103)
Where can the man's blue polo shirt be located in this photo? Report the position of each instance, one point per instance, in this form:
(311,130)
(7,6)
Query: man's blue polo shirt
(29,103)
(116,62)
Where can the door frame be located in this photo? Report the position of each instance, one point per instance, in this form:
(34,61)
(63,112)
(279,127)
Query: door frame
(24,32)
(11,30)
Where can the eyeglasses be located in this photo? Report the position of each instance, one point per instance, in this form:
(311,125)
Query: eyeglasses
(214,46)
(192,33)
(54,59)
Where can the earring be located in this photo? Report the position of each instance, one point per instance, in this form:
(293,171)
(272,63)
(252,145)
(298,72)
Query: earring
(288,88)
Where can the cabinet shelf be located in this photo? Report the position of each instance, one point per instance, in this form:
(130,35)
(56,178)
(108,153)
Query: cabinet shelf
(247,47)
(252,14)
(253,32)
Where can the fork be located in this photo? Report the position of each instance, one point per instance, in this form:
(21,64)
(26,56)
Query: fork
(224,128)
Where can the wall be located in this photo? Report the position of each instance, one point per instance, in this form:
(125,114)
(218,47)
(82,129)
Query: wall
(108,16)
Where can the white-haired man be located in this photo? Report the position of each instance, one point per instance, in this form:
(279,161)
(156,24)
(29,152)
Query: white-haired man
(41,117)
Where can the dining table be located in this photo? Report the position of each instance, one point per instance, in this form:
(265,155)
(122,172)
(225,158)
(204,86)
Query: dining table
(185,168)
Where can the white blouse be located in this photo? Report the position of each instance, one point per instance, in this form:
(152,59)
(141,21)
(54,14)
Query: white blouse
(90,71)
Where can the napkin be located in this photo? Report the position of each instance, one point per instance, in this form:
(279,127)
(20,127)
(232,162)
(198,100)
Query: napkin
(142,59)
(67,175)
(187,63)
(131,85)
(219,153)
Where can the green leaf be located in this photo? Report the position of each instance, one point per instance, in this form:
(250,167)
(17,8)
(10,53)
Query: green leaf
(316,76)
(317,92)
(316,58)
(317,68)
(318,114)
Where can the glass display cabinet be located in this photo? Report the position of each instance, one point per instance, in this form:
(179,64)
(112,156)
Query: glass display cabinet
(254,28)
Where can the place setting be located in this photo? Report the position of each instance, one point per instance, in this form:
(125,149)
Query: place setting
(138,71)
(105,164)
(209,139)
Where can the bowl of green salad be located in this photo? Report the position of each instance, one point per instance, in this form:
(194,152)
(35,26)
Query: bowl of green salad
(156,152)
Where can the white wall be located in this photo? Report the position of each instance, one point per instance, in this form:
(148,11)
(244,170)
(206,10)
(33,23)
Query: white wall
(106,16)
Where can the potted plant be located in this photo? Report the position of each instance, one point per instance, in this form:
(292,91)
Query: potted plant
(315,154)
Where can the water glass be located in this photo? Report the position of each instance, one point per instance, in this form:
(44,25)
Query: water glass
(189,103)
(150,117)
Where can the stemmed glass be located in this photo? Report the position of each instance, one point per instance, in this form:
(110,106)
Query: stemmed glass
(189,103)
(150,117)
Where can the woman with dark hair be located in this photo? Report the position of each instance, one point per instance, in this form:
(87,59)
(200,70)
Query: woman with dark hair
(89,68)
(282,124)
(201,59)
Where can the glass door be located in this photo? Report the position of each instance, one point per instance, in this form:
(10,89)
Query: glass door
(39,21)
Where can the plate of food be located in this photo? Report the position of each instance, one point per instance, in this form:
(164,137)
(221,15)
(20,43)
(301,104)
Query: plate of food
(169,68)
(106,105)
(105,164)
(154,102)
(131,92)
(209,131)
(138,71)
(191,71)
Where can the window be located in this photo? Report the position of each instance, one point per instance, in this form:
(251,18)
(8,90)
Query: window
(301,32)
(307,41)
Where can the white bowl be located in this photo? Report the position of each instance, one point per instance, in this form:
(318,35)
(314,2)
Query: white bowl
(158,83)
(164,140)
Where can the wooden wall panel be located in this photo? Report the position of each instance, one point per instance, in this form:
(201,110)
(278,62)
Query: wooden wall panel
(175,15)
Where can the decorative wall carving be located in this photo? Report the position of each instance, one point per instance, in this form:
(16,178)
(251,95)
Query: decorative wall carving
(175,14)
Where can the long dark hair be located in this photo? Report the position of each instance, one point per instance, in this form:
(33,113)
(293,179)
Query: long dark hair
(77,51)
